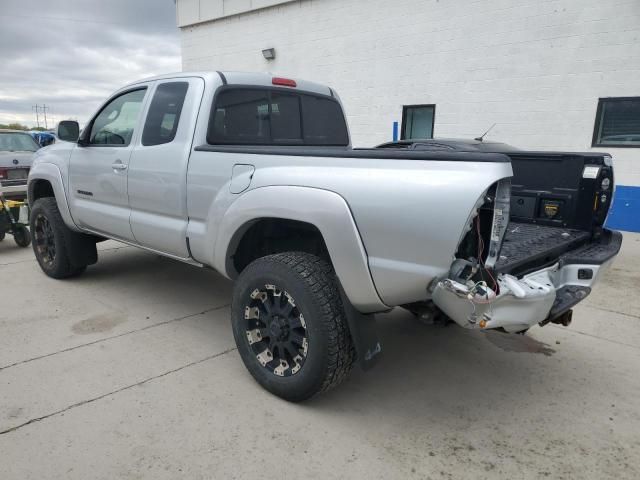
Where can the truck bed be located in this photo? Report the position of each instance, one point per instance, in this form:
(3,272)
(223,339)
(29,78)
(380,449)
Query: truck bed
(528,247)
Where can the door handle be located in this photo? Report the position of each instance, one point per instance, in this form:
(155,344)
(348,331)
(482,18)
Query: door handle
(119,166)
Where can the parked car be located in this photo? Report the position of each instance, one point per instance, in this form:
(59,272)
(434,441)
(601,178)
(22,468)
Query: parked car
(254,176)
(44,139)
(16,150)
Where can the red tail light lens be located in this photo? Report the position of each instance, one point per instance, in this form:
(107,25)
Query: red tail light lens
(3,173)
(284,82)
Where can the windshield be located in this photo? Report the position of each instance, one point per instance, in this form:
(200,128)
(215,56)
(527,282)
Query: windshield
(17,142)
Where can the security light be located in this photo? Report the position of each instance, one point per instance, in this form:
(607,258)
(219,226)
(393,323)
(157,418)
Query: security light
(269,53)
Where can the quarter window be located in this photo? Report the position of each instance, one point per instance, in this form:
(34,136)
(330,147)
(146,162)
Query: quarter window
(617,123)
(252,116)
(164,113)
(417,121)
(115,124)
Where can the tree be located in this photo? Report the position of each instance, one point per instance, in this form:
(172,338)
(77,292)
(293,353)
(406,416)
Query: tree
(14,126)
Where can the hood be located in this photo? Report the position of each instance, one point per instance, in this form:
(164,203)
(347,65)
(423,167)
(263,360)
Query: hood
(15,159)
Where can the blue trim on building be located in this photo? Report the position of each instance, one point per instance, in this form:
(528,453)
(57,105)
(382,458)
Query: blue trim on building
(395,131)
(625,210)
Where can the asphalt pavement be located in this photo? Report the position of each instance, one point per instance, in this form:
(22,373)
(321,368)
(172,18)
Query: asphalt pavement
(130,371)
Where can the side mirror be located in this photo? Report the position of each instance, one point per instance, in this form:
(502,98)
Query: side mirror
(68,130)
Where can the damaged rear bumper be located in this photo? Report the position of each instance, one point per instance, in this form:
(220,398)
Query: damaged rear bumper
(536,298)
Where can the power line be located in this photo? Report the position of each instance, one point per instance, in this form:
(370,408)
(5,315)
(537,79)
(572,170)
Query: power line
(41,108)
(37,117)
(44,110)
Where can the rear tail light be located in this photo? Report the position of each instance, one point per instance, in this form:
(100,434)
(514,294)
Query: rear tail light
(3,174)
(284,82)
(603,194)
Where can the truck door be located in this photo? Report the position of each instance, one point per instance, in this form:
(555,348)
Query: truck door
(158,167)
(98,166)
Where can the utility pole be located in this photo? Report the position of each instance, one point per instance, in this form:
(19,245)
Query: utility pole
(44,109)
(36,106)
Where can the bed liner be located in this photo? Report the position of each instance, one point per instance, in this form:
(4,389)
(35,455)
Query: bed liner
(528,247)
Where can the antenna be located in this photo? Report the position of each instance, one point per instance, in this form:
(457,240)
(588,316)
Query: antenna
(481,137)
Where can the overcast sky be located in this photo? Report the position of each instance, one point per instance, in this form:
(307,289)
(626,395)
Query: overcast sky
(71,54)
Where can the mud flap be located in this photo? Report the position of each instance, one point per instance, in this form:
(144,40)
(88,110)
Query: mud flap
(363,333)
(82,249)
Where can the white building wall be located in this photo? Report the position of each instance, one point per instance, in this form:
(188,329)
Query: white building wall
(534,67)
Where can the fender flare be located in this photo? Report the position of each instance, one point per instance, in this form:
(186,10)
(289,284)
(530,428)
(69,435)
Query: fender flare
(51,173)
(327,211)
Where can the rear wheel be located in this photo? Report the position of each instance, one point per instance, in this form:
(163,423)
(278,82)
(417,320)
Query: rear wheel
(22,236)
(54,242)
(290,326)
(2,235)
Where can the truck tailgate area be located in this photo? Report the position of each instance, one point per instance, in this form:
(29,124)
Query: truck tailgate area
(527,247)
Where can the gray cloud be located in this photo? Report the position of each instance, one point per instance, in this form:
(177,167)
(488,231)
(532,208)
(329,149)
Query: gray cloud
(71,55)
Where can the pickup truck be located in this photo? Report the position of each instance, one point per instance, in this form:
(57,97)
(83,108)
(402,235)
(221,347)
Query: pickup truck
(254,176)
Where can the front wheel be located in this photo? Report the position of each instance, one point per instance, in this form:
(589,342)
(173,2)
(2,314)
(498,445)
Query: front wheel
(54,244)
(290,326)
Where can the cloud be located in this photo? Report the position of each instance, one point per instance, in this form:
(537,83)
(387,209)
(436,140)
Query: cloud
(71,56)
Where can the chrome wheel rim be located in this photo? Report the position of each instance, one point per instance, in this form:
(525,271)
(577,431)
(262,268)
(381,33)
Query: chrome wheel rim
(44,240)
(276,331)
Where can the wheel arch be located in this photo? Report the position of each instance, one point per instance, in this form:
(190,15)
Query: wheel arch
(327,221)
(269,235)
(45,180)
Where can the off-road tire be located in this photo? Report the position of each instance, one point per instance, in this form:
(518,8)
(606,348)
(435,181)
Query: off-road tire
(313,284)
(22,236)
(64,239)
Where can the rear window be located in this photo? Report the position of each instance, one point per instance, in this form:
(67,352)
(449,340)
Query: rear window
(17,142)
(254,116)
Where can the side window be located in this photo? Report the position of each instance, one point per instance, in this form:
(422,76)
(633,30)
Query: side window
(114,125)
(164,113)
(254,116)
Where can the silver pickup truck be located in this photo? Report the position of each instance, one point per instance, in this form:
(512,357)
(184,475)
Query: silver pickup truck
(254,176)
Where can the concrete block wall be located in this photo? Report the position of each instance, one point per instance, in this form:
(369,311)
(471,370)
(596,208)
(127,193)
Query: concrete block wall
(536,68)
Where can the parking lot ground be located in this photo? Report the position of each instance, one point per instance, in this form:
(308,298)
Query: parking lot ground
(130,371)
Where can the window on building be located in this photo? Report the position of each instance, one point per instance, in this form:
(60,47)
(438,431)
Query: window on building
(164,113)
(417,121)
(264,116)
(617,123)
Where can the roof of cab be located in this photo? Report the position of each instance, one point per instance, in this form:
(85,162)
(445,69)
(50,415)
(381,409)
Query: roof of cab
(242,78)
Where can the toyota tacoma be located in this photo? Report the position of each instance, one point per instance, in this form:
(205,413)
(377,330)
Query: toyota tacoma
(254,176)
